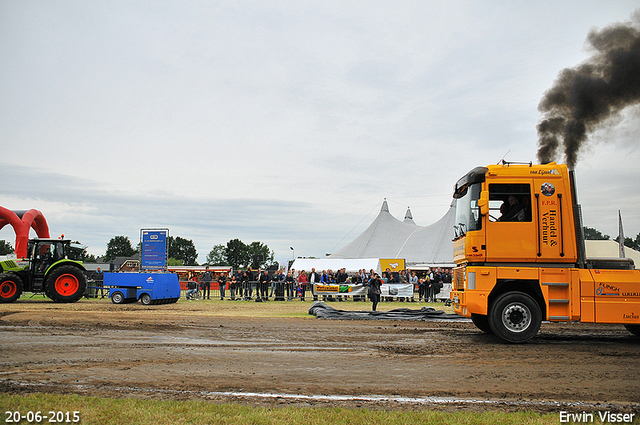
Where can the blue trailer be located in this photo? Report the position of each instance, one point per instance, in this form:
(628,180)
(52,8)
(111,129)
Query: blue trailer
(149,288)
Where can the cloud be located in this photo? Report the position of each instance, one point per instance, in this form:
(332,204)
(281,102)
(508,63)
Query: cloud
(92,212)
(284,122)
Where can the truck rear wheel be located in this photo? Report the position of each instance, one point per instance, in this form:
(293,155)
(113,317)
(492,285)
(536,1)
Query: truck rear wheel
(10,287)
(482,322)
(634,329)
(66,284)
(515,317)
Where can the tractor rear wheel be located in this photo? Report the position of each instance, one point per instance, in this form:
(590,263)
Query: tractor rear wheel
(10,287)
(66,284)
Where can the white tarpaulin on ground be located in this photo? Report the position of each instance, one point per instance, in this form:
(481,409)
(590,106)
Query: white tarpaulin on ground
(350,264)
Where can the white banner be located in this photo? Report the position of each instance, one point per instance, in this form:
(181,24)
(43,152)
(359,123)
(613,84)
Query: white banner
(397,290)
(387,290)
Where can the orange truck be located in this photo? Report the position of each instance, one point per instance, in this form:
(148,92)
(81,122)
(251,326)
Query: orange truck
(520,255)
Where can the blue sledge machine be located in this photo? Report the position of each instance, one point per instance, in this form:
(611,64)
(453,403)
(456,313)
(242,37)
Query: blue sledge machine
(149,288)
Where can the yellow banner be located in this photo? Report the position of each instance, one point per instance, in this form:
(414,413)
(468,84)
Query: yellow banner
(394,264)
(338,289)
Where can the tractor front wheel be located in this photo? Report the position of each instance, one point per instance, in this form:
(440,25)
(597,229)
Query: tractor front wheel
(10,287)
(66,284)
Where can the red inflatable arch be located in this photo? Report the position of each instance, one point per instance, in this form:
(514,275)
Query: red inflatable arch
(22,221)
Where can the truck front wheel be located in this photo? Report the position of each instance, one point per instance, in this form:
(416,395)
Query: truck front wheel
(66,284)
(515,317)
(10,287)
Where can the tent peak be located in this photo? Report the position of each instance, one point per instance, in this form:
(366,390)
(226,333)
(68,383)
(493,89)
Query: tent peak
(408,214)
(385,206)
(408,217)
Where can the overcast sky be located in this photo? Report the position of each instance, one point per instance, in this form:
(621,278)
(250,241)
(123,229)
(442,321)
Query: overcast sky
(285,122)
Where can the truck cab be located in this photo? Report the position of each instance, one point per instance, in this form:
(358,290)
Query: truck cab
(520,256)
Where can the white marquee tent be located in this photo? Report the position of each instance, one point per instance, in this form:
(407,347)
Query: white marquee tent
(350,264)
(388,237)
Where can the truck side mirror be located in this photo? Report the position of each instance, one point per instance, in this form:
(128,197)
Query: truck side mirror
(483,203)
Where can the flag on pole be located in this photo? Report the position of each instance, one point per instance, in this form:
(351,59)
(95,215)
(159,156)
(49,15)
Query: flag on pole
(620,235)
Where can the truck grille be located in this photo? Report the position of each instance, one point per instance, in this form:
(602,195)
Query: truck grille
(458,279)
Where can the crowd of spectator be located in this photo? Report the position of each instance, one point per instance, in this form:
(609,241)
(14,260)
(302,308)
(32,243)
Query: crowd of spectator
(263,285)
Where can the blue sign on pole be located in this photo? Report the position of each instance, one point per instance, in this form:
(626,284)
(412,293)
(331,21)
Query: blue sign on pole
(154,249)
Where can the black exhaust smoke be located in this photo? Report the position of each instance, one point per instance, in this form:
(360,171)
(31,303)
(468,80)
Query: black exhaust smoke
(586,96)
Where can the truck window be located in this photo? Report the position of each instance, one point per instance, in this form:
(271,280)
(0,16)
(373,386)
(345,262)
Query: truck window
(467,210)
(509,202)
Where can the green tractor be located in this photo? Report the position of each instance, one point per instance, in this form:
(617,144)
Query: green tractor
(52,266)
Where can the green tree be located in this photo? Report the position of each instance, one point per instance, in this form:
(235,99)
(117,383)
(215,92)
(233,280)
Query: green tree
(594,235)
(260,255)
(631,243)
(237,253)
(174,262)
(182,249)
(217,256)
(5,248)
(119,246)
(90,259)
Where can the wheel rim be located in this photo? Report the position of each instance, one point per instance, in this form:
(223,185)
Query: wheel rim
(117,298)
(8,289)
(67,284)
(516,317)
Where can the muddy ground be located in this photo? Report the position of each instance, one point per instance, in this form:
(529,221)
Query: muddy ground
(177,351)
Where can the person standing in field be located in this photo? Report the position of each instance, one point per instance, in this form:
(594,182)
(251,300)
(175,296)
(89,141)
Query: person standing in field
(222,284)
(246,284)
(302,284)
(313,279)
(374,290)
(233,285)
(205,286)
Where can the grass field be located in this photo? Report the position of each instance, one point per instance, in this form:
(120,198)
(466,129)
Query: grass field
(105,411)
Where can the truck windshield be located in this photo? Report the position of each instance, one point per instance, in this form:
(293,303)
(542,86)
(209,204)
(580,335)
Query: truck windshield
(467,211)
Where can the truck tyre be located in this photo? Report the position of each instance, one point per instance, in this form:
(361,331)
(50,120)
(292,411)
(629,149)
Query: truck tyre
(145,299)
(10,287)
(634,329)
(66,284)
(515,317)
(117,298)
(482,322)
